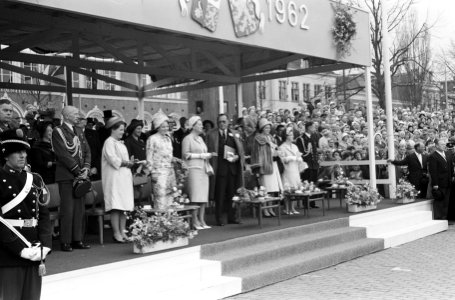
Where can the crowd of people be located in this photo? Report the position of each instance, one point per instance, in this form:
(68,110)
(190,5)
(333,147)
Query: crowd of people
(272,149)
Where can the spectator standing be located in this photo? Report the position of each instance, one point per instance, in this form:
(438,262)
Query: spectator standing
(134,142)
(178,137)
(195,154)
(227,166)
(42,156)
(117,178)
(73,161)
(93,140)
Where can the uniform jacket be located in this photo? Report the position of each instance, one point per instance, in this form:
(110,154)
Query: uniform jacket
(11,183)
(310,157)
(69,165)
(440,169)
(222,167)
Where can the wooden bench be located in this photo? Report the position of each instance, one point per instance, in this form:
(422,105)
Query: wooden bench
(259,205)
(306,198)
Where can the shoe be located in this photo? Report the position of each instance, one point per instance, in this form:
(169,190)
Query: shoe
(267,215)
(296,212)
(219,224)
(272,213)
(66,247)
(286,213)
(122,241)
(198,227)
(207,227)
(291,213)
(80,245)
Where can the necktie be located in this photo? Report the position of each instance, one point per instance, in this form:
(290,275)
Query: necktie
(223,134)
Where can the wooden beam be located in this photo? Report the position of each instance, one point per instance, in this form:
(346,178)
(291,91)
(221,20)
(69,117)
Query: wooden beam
(106,79)
(271,64)
(113,51)
(69,86)
(300,72)
(171,58)
(31,73)
(217,63)
(159,83)
(67,61)
(34,39)
(105,92)
(184,88)
(32,87)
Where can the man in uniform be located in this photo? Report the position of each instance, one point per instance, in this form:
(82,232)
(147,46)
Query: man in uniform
(73,162)
(25,227)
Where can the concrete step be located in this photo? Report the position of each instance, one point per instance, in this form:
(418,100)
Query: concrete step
(396,222)
(269,272)
(412,233)
(378,215)
(234,259)
(234,244)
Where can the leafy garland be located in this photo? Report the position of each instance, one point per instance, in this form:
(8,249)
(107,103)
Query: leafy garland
(344,29)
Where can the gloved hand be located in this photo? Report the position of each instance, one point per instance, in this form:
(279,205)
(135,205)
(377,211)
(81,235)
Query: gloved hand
(206,155)
(33,253)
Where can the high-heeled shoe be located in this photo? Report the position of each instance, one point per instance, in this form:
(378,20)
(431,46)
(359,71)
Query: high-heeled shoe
(198,227)
(272,213)
(266,214)
(295,212)
(122,241)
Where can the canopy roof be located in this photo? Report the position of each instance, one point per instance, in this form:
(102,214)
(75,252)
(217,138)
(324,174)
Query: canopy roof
(203,42)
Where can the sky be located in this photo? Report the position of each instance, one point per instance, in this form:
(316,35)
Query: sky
(441,14)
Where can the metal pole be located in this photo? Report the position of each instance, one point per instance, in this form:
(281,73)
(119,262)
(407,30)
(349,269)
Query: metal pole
(371,153)
(445,87)
(239,87)
(69,86)
(221,99)
(388,98)
(140,97)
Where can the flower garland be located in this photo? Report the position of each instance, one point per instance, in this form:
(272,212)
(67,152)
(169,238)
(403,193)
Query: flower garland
(344,29)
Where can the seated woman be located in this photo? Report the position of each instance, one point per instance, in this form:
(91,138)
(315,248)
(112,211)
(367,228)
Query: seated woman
(356,173)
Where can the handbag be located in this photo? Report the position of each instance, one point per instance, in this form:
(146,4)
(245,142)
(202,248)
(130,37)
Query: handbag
(209,169)
(139,180)
(81,187)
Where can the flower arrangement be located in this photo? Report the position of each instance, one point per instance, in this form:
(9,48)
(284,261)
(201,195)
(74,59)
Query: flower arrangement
(405,189)
(181,171)
(362,195)
(180,198)
(344,28)
(160,226)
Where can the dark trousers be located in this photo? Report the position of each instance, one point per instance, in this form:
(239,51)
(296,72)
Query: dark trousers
(310,175)
(441,207)
(72,214)
(20,283)
(224,191)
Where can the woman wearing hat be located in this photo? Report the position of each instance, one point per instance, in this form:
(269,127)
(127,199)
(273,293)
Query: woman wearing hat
(134,142)
(291,158)
(117,178)
(159,156)
(194,153)
(42,156)
(265,154)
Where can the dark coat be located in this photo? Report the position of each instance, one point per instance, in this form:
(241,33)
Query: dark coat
(136,148)
(11,183)
(440,170)
(69,166)
(416,170)
(177,140)
(311,158)
(222,167)
(40,155)
(93,141)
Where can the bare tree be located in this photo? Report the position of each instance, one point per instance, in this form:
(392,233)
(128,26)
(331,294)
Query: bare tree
(398,57)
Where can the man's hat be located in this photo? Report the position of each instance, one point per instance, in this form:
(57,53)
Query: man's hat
(107,114)
(450,145)
(13,141)
(91,121)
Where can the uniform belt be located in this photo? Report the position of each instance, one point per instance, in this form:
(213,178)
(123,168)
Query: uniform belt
(23,223)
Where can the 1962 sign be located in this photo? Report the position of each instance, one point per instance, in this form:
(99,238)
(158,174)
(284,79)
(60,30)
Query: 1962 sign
(282,10)
(248,16)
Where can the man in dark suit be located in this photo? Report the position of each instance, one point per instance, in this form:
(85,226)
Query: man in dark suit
(73,161)
(417,167)
(441,171)
(178,137)
(91,135)
(228,169)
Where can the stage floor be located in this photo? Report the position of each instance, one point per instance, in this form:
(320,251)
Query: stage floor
(110,252)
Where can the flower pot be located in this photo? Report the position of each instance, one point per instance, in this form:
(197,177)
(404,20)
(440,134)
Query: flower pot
(404,200)
(357,208)
(158,246)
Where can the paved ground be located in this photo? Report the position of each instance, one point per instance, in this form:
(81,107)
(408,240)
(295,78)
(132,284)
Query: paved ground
(423,269)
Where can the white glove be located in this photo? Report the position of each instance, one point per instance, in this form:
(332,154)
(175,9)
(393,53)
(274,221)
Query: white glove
(206,155)
(46,251)
(33,253)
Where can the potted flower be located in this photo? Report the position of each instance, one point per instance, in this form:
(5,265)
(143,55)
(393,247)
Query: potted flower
(157,231)
(405,191)
(362,197)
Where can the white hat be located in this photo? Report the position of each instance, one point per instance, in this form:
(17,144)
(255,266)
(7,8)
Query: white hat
(158,119)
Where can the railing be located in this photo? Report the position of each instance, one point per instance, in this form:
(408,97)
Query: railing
(357,163)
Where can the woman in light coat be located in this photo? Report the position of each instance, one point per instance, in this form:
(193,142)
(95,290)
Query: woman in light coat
(194,153)
(117,178)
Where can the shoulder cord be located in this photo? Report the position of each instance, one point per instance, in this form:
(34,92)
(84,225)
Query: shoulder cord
(40,189)
(73,148)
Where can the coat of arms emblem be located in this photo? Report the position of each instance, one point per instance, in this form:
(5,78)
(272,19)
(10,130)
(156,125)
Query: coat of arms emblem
(206,13)
(246,16)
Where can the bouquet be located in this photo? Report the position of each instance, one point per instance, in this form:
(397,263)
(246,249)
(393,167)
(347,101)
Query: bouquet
(362,195)
(160,226)
(405,189)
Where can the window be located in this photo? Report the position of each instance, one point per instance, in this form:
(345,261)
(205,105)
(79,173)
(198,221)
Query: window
(107,85)
(306,92)
(5,75)
(295,91)
(328,92)
(317,89)
(75,77)
(261,89)
(25,78)
(282,91)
